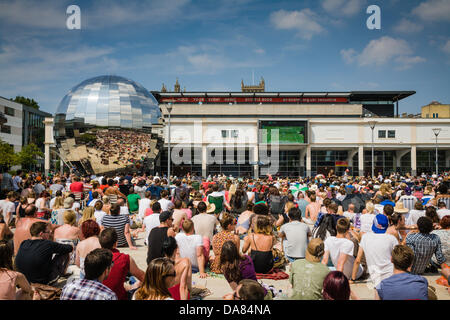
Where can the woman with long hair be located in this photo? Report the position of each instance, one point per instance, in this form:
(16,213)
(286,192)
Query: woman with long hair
(238,202)
(57,211)
(88,214)
(159,277)
(228,225)
(235,266)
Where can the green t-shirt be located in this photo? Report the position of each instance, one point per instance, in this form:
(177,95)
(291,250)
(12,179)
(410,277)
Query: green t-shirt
(133,201)
(307,279)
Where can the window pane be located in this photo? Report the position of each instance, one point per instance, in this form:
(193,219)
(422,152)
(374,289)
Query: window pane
(381,133)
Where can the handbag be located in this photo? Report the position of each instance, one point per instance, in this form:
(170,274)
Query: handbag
(47,292)
(279,260)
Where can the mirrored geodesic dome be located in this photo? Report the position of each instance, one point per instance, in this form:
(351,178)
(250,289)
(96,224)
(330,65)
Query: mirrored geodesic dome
(104,124)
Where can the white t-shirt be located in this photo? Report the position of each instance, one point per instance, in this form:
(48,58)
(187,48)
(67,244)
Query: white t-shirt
(7,206)
(144,204)
(414,215)
(349,215)
(124,210)
(367,222)
(99,214)
(296,237)
(336,246)
(164,204)
(188,246)
(378,250)
(150,222)
(443,212)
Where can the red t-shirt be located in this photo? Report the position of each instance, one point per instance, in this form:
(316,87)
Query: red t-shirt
(76,187)
(118,273)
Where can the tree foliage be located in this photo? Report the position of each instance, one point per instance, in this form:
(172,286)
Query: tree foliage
(26,101)
(28,156)
(7,156)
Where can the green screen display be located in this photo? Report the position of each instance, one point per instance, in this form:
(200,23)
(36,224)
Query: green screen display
(287,133)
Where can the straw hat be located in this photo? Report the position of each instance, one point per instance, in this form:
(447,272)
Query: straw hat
(211,207)
(400,207)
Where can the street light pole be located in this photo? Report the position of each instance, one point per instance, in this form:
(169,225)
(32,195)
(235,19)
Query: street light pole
(436,132)
(372,126)
(169,110)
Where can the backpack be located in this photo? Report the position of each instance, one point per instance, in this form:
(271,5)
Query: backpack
(276,204)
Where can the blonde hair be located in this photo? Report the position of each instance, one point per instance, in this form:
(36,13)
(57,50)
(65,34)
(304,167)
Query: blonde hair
(370,207)
(88,214)
(263,226)
(106,200)
(59,203)
(154,286)
(70,217)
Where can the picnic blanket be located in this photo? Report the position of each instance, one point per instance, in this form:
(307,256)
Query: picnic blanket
(274,274)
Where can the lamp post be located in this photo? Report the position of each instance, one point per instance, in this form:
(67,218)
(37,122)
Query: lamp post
(436,132)
(372,126)
(169,110)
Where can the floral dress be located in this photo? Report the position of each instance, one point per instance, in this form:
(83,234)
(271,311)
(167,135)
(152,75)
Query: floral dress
(217,244)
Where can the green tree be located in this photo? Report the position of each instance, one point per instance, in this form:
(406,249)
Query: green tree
(26,101)
(28,156)
(7,156)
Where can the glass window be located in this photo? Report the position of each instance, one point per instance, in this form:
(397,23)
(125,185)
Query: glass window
(224,133)
(234,133)
(6,129)
(9,111)
(381,133)
(391,133)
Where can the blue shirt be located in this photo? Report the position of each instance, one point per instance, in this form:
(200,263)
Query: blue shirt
(403,286)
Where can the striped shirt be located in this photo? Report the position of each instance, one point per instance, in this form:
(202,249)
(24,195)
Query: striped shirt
(84,289)
(424,246)
(118,223)
(408,201)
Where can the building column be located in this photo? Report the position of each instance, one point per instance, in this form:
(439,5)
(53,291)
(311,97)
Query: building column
(398,158)
(302,154)
(256,161)
(447,158)
(48,122)
(308,161)
(360,161)
(413,161)
(204,161)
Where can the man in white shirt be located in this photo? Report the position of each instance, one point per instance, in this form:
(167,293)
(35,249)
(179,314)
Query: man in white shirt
(151,221)
(377,247)
(415,214)
(442,210)
(191,246)
(123,207)
(164,201)
(350,213)
(7,207)
(340,249)
(144,204)
(295,236)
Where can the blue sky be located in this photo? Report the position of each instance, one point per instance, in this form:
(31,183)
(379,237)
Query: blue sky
(321,45)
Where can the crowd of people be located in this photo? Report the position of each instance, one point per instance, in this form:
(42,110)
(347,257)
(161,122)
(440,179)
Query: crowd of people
(327,233)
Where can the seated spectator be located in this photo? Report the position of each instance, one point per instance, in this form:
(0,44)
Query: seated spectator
(205,222)
(159,277)
(424,244)
(179,215)
(307,275)
(340,249)
(295,236)
(337,287)
(228,224)
(235,266)
(133,201)
(431,213)
(97,265)
(191,246)
(376,246)
(158,235)
(402,285)
(124,264)
(243,223)
(260,243)
(68,233)
(88,214)
(442,210)
(247,290)
(444,235)
(40,259)
(90,231)
(121,223)
(13,285)
(415,214)
(58,211)
(183,280)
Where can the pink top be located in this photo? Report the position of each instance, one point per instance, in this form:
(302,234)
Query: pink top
(8,285)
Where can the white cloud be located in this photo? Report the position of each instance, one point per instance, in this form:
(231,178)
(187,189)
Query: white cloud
(305,22)
(407,26)
(343,7)
(433,10)
(259,51)
(382,51)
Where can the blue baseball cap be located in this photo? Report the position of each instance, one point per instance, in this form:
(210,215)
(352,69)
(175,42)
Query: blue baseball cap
(380,223)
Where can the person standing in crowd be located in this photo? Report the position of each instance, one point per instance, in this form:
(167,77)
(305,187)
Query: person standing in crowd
(97,265)
(425,245)
(402,285)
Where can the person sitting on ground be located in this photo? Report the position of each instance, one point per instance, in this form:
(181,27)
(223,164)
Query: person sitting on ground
(183,280)
(261,242)
(7,207)
(415,214)
(88,214)
(307,275)
(243,223)
(6,234)
(431,213)
(444,235)
(13,285)
(158,235)
(97,265)
(124,264)
(442,210)
(295,236)
(340,249)
(337,287)
(133,201)
(247,289)
(159,277)
(312,210)
(121,223)
(40,259)
(164,201)
(235,266)
(228,224)
(179,215)
(376,246)
(58,209)
(191,246)
(68,233)
(90,231)
(402,285)
(425,245)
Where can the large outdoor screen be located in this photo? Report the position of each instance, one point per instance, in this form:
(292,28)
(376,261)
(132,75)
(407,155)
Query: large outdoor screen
(289,132)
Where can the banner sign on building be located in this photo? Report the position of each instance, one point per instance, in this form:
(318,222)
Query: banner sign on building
(253,100)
